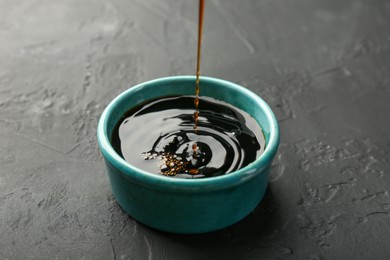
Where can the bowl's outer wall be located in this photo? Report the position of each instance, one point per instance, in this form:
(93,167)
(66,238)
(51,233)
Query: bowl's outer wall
(196,209)
(183,212)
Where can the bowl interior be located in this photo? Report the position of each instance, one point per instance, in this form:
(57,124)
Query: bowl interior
(185,85)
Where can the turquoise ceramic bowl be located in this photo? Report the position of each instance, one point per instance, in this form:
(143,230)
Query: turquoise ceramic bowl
(188,206)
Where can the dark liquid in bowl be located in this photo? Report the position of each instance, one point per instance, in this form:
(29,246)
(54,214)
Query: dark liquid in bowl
(158,137)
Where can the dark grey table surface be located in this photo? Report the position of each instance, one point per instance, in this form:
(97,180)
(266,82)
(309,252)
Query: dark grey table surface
(323,66)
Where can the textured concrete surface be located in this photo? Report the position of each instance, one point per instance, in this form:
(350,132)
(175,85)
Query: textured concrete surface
(323,66)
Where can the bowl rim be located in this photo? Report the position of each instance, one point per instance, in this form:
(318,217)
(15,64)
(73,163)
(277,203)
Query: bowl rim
(223,181)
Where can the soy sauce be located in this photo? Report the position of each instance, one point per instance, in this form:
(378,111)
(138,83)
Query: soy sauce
(188,136)
(199,48)
(158,137)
